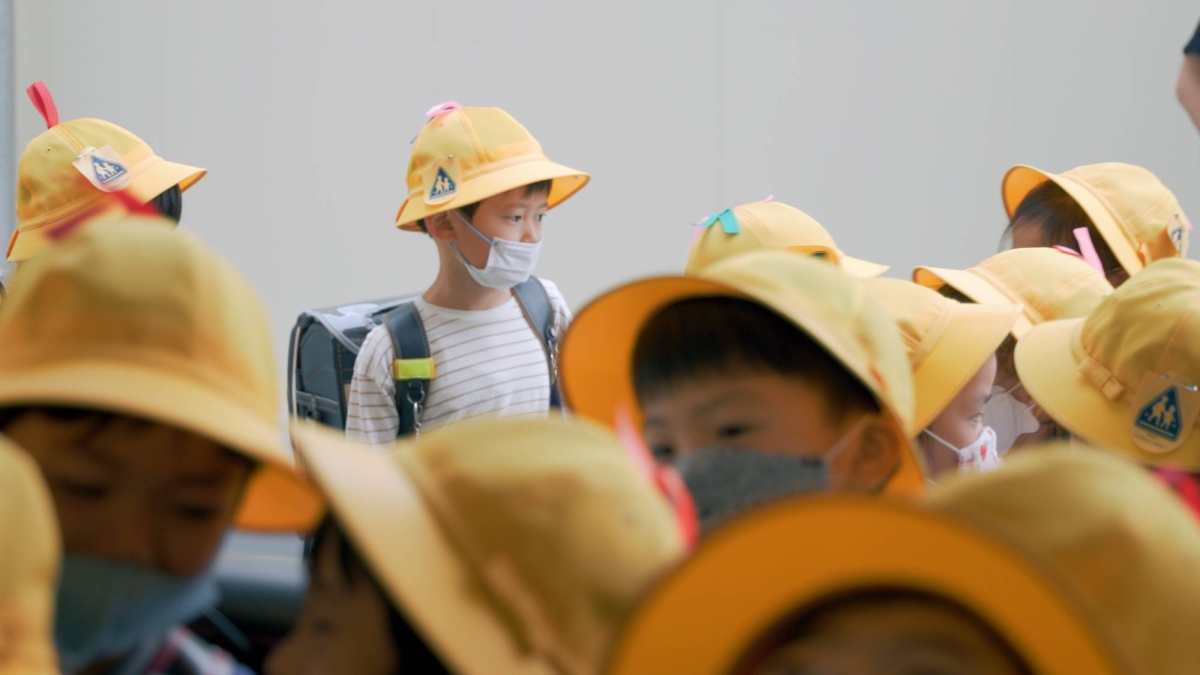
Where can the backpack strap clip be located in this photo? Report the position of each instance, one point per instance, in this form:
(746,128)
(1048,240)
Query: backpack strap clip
(412,368)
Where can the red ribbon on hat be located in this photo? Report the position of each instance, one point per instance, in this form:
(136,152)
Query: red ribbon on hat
(664,478)
(39,93)
(132,205)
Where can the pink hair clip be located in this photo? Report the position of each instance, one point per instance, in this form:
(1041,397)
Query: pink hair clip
(443,108)
(1087,250)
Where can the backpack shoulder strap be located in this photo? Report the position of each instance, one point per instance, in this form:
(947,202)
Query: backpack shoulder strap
(412,368)
(535,304)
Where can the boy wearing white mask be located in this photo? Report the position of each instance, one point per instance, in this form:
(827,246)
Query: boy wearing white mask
(479,186)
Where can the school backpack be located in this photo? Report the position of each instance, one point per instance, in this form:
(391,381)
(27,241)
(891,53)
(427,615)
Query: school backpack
(325,342)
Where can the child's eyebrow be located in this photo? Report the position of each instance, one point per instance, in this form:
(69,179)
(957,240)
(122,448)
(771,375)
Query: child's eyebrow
(721,400)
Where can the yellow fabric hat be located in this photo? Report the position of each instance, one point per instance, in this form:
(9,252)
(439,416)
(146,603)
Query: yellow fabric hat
(761,569)
(1126,545)
(135,318)
(52,189)
(29,539)
(770,225)
(1139,218)
(531,539)
(465,155)
(1126,377)
(597,351)
(948,342)
(1048,284)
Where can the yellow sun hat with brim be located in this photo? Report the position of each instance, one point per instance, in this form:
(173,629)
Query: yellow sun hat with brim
(770,225)
(836,310)
(462,156)
(1126,377)
(72,168)
(947,341)
(1139,218)
(777,563)
(532,538)
(131,317)
(1127,546)
(1047,283)
(28,568)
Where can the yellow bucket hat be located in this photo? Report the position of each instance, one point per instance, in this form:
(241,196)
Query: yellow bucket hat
(843,317)
(1048,284)
(531,538)
(1139,218)
(28,568)
(70,169)
(948,342)
(131,317)
(465,155)
(770,225)
(1127,547)
(1126,377)
(761,569)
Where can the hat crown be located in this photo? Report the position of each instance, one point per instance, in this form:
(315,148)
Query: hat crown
(476,137)
(1049,284)
(1145,209)
(1151,324)
(134,290)
(555,520)
(762,225)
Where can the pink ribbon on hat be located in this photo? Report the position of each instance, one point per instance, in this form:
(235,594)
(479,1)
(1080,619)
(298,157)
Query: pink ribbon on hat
(1087,250)
(39,93)
(443,108)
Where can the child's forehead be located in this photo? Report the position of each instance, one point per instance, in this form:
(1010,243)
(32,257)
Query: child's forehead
(520,196)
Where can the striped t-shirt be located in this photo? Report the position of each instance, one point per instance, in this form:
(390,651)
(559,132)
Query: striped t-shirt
(489,362)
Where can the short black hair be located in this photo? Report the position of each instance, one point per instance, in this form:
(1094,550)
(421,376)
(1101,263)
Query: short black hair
(710,336)
(415,655)
(169,203)
(538,188)
(1057,215)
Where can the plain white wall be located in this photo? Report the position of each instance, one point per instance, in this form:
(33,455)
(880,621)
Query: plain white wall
(892,123)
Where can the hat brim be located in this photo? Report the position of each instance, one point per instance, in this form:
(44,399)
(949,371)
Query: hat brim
(862,269)
(1048,373)
(761,569)
(382,511)
(972,336)
(1021,180)
(277,498)
(151,178)
(597,354)
(975,288)
(472,190)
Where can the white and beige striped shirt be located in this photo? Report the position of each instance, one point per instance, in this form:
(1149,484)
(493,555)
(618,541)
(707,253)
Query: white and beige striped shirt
(489,362)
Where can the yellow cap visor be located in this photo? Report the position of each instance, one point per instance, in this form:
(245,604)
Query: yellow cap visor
(762,568)
(384,514)
(472,190)
(971,337)
(277,498)
(598,350)
(973,287)
(1021,180)
(862,269)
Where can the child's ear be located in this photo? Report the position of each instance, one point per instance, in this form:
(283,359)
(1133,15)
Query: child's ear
(877,456)
(439,226)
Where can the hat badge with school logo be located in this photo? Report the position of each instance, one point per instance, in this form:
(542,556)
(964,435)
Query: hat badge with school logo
(1165,411)
(1178,230)
(441,180)
(104,168)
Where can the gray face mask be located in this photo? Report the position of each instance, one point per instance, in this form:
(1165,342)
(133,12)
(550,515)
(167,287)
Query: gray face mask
(725,482)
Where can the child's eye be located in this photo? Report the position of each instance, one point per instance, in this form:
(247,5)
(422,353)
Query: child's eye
(515,219)
(976,418)
(663,454)
(732,431)
(541,217)
(85,491)
(197,512)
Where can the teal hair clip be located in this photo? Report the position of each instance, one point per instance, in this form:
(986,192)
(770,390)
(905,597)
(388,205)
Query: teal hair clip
(728,221)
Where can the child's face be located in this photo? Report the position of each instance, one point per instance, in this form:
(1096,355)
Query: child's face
(772,414)
(343,626)
(1007,379)
(133,491)
(962,421)
(897,638)
(515,215)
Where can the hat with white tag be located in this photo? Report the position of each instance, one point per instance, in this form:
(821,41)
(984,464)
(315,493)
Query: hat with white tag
(71,170)
(1126,377)
(770,225)
(464,155)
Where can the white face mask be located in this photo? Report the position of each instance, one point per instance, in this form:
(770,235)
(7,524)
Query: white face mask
(509,263)
(979,456)
(1009,417)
